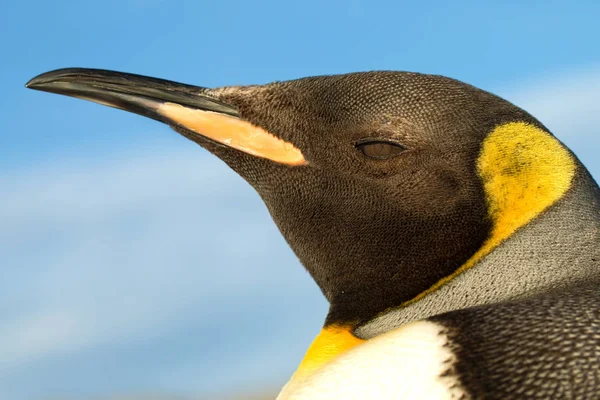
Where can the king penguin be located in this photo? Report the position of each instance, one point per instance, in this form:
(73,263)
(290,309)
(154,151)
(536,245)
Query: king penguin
(456,239)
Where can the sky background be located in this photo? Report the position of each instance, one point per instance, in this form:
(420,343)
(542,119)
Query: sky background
(132,261)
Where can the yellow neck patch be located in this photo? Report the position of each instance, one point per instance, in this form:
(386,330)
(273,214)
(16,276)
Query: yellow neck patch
(330,343)
(524,171)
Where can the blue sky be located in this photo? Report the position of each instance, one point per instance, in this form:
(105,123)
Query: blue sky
(133,261)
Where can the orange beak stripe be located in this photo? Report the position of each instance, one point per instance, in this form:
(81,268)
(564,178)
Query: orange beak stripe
(234,132)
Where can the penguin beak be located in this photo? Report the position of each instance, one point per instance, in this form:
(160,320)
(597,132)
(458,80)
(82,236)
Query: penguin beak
(178,105)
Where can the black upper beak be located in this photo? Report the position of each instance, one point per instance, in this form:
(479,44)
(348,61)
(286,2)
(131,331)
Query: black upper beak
(135,93)
(181,106)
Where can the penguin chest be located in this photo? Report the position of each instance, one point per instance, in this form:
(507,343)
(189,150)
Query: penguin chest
(411,362)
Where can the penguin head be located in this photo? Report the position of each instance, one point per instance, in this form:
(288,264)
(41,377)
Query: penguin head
(372,178)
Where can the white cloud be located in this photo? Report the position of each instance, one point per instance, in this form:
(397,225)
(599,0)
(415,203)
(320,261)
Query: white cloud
(114,249)
(568,102)
(32,335)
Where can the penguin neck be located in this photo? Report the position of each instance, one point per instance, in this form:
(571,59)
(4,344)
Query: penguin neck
(558,248)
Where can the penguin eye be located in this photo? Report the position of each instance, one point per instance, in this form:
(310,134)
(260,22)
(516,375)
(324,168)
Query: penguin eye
(379,149)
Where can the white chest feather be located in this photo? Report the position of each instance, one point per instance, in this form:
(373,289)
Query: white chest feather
(408,363)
